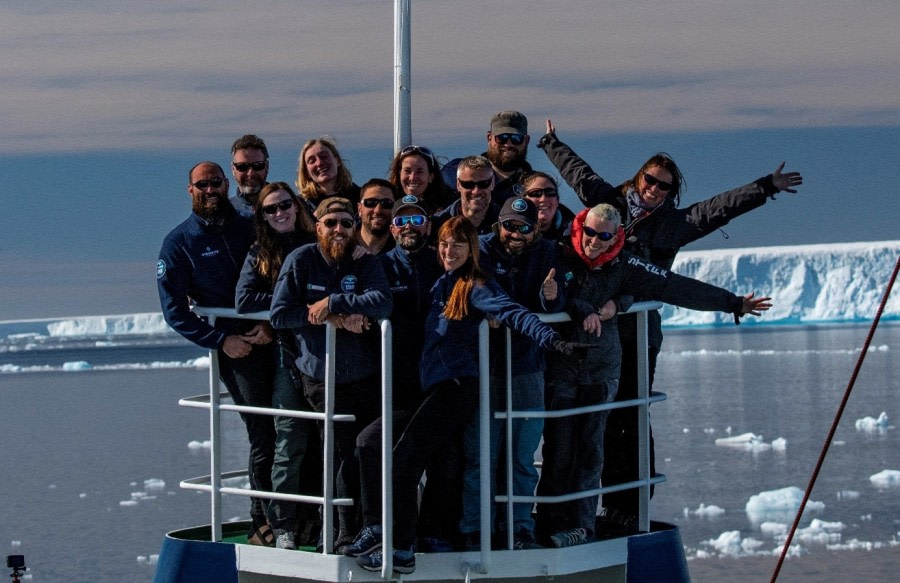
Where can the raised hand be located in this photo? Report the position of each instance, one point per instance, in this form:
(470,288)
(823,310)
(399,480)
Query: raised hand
(549,288)
(786,181)
(550,128)
(755,306)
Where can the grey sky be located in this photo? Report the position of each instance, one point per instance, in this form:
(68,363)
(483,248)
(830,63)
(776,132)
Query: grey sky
(145,75)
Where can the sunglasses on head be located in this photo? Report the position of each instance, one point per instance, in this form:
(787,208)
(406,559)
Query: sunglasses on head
(523,228)
(516,139)
(332,223)
(245,166)
(414,220)
(385,203)
(420,150)
(654,181)
(283,205)
(204,184)
(539,192)
(602,235)
(470,184)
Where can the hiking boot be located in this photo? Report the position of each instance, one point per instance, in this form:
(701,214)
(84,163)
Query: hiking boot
(285,540)
(523,540)
(570,538)
(368,540)
(404,561)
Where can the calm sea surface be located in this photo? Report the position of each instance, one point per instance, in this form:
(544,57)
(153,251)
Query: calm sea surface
(92,459)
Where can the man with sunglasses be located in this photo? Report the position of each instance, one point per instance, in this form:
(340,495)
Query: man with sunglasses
(250,168)
(475,183)
(200,263)
(524,265)
(376,203)
(325,282)
(507,149)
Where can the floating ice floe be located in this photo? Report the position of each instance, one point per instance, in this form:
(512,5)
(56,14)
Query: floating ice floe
(774,529)
(731,544)
(778,505)
(821,532)
(150,560)
(200,444)
(705,511)
(886,479)
(76,365)
(872,425)
(848,495)
(154,484)
(751,442)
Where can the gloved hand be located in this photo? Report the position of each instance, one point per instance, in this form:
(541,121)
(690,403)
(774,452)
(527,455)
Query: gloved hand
(569,348)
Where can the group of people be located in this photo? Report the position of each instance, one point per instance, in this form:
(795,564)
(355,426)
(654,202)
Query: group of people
(438,249)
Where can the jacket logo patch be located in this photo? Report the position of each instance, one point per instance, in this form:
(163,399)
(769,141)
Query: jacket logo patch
(348,284)
(210,252)
(160,269)
(649,267)
(314,287)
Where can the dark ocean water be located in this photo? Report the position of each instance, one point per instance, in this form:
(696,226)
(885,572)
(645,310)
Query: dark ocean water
(92,459)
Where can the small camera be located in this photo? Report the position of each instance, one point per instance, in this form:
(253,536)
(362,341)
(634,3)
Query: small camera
(15,561)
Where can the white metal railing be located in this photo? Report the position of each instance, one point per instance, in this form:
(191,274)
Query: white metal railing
(212,401)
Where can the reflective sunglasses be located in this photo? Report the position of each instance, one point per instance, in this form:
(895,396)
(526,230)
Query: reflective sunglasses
(420,150)
(524,228)
(470,184)
(654,181)
(332,223)
(516,139)
(602,235)
(385,203)
(414,220)
(204,184)
(539,192)
(271,209)
(244,166)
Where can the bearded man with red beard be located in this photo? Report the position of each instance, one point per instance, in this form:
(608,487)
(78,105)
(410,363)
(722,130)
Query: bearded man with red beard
(324,283)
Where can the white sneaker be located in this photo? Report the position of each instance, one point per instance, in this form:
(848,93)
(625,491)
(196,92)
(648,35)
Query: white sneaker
(570,538)
(285,540)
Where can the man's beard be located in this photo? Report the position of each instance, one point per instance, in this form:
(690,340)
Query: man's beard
(378,232)
(337,251)
(503,163)
(411,242)
(211,208)
(250,191)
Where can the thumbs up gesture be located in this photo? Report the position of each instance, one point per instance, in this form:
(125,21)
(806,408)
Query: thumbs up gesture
(549,288)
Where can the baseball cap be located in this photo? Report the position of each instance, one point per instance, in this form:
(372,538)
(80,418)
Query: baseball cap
(509,122)
(335,204)
(519,209)
(410,201)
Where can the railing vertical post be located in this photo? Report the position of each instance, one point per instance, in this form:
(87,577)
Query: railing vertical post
(387,443)
(484,427)
(215,456)
(643,412)
(328,461)
(510,522)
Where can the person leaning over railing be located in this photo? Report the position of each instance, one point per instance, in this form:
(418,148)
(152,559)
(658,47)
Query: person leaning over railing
(597,270)
(282,224)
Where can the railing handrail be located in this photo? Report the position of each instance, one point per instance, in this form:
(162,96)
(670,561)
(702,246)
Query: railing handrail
(642,403)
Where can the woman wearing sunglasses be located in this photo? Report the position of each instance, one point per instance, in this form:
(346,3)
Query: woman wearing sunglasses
(655,229)
(553,218)
(322,173)
(282,224)
(601,280)
(415,170)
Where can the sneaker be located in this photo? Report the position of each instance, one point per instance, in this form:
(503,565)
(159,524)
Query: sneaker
(285,540)
(432,544)
(523,540)
(368,540)
(570,538)
(404,561)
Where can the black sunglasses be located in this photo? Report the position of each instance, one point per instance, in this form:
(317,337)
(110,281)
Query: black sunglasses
(539,192)
(420,150)
(470,184)
(524,228)
(244,166)
(204,184)
(602,235)
(516,139)
(414,220)
(385,203)
(332,223)
(271,209)
(654,181)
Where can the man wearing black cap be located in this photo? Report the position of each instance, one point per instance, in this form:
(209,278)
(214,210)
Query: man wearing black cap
(507,143)
(322,282)
(524,265)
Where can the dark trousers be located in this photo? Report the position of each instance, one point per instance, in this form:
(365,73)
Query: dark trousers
(438,421)
(363,400)
(250,381)
(368,450)
(622,437)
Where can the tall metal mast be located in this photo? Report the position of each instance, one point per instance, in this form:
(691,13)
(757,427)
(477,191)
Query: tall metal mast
(402,109)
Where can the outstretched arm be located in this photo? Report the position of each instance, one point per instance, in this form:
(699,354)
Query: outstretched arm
(784,182)
(755,306)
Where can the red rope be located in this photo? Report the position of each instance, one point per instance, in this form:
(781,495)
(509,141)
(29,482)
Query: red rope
(834,423)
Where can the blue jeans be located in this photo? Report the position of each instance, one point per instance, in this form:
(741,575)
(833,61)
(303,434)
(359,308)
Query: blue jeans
(527,394)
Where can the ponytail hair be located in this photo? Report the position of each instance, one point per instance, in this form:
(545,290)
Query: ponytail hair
(460,229)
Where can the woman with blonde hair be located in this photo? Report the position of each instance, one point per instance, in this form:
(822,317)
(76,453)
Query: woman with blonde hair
(322,173)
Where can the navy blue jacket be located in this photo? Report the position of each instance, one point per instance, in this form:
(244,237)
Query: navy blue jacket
(352,287)
(411,277)
(451,346)
(200,263)
(491,216)
(254,292)
(522,277)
